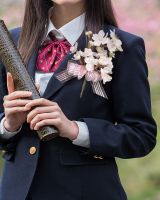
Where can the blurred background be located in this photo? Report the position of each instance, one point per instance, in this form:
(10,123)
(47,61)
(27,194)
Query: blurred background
(140,177)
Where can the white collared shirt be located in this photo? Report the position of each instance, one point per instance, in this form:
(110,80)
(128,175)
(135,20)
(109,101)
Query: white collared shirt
(71,32)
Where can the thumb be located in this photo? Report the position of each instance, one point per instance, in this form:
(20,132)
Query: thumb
(10,83)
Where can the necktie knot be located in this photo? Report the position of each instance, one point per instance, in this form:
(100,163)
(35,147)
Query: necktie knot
(52,53)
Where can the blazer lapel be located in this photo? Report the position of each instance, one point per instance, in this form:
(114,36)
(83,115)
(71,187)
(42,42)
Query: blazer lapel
(54,84)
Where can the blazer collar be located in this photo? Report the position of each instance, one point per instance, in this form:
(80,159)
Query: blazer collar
(54,84)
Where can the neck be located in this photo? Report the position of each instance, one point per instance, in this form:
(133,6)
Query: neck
(62,14)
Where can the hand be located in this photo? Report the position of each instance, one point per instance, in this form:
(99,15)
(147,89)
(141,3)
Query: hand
(49,113)
(14,106)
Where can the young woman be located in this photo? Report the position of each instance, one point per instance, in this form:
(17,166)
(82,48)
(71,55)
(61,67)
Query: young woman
(93,130)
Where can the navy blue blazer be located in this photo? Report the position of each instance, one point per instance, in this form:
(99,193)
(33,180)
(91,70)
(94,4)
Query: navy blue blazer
(121,126)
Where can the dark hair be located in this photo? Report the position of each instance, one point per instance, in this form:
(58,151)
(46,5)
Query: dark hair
(98,13)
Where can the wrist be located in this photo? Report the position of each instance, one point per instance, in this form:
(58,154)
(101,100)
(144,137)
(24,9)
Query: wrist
(9,127)
(74,130)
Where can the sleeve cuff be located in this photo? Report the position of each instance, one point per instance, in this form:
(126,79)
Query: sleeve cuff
(5,134)
(83,135)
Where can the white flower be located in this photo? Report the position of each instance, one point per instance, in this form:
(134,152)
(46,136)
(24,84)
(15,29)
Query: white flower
(97,58)
(108,70)
(91,43)
(100,38)
(111,46)
(78,55)
(106,61)
(113,35)
(90,63)
(114,44)
(118,44)
(101,51)
(73,49)
(105,76)
(88,53)
(90,67)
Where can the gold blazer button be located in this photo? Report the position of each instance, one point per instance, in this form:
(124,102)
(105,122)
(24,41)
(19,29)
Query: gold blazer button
(32,150)
(98,157)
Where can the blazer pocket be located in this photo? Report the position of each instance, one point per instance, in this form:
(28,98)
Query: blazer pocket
(75,157)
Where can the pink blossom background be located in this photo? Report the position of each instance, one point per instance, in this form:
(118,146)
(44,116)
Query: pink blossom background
(142,17)
(139,17)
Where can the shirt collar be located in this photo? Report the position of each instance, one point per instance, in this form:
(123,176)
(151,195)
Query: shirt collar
(70,31)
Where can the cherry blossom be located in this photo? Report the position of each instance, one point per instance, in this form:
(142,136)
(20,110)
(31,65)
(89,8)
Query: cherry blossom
(73,49)
(100,38)
(90,63)
(105,76)
(88,53)
(114,43)
(98,57)
(101,52)
(106,61)
(78,55)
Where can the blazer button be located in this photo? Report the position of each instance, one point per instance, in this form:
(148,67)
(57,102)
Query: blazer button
(98,157)
(32,150)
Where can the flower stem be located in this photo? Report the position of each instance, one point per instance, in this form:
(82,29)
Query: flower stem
(83,87)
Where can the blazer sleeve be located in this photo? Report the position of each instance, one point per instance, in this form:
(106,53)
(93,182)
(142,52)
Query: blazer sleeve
(134,133)
(5,144)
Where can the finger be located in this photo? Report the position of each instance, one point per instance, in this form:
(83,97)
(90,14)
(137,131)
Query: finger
(10,111)
(18,95)
(10,83)
(39,110)
(40,102)
(47,122)
(44,116)
(15,103)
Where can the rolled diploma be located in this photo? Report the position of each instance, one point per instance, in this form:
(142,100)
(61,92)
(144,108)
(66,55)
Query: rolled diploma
(11,58)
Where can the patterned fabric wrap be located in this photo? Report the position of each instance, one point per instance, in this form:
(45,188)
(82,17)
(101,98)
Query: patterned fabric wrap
(76,70)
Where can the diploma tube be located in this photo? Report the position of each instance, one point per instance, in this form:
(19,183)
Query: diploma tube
(12,60)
